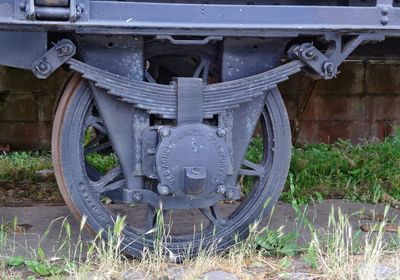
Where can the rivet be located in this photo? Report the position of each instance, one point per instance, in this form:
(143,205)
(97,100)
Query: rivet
(221,132)
(384,20)
(385,11)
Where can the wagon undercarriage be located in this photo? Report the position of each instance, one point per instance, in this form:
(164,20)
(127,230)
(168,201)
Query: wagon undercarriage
(176,95)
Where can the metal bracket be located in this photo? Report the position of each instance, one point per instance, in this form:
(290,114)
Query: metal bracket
(53,59)
(386,7)
(316,60)
(324,65)
(180,202)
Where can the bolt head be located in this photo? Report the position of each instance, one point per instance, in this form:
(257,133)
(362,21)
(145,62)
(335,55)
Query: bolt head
(329,67)
(384,20)
(137,196)
(310,54)
(43,67)
(221,189)
(164,131)
(229,194)
(221,132)
(66,49)
(22,6)
(163,189)
(385,11)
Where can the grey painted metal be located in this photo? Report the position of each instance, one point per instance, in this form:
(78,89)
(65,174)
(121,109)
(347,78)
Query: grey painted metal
(52,13)
(198,149)
(161,99)
(189,100)
(52,3)
(13,48)
(53,59)
(126,136)
(227,20)
(182,144)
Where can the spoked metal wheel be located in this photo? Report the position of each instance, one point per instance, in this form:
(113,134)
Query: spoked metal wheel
(90,179)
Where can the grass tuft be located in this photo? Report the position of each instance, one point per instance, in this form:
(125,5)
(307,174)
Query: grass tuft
(24,165)
(362,172)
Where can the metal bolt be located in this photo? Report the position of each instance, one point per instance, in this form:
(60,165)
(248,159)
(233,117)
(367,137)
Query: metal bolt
(310,54)
(229,194)
(22,6)
(164,131)
(163,189)
(221,132)
(329,68)
(385,11)
(43,68)
(221,189)
(65,49)
(384,20)
(137,196)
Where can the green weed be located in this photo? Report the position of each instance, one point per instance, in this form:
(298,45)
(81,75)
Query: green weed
(318,171)
(23,165)
(356,172)
(102,163)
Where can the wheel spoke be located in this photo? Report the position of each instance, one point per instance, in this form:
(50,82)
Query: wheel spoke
(149,78)
(251,169)
(213,214)
(150,222)
(198,69)
(206,71)
(150,218)
(97,123)
(99,137)
(248,172)
(203,68)
(109,181)
(114,185)
(97,148)
(92,172)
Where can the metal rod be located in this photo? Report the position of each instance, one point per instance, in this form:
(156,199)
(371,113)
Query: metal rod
(52,3)
(52,13)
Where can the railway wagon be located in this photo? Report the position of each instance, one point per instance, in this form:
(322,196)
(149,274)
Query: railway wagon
(175,94)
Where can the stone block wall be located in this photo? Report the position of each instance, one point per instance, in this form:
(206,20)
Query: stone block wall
(361,103)
(27,108)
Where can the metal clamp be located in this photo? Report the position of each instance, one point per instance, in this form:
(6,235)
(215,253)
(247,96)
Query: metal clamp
(324,65)
(53,59)
(316,60)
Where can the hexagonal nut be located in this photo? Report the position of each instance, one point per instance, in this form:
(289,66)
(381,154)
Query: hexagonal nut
(164,131)
(221,189)
(229,194)
(163,189)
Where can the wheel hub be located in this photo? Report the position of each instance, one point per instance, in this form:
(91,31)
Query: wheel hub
(192,159)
